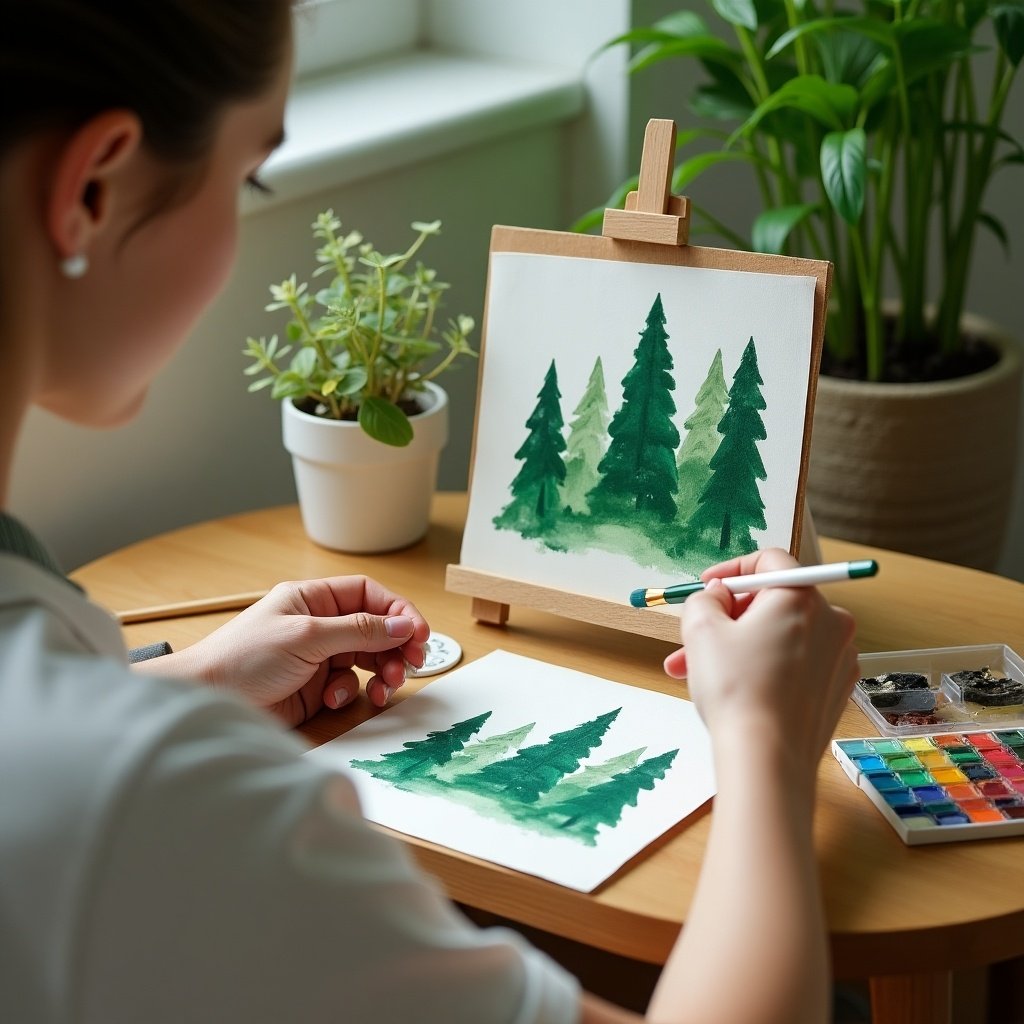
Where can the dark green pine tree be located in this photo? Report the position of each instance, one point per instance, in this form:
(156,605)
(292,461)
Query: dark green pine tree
(420,756)
(700,442)
(588,440)
(534,770)
(603,804)
(482,752)
(536,489)
(731,504)
(638,472)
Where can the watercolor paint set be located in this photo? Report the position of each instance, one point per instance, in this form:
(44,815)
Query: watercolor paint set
(942,689)
(941,788)
(948,763)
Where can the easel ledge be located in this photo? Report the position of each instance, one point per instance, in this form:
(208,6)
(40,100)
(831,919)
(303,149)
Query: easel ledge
(492,595)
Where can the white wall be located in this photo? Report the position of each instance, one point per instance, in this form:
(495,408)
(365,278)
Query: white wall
(203,447)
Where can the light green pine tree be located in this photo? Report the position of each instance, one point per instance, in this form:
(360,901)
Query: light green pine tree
(604,804)
(731,505)
(536,769)
(419,757)
(587,443)
(481,753)
(638,472)
(591,775)
(536,488)
(693,464)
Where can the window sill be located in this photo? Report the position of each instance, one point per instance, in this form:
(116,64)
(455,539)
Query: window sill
(395,112)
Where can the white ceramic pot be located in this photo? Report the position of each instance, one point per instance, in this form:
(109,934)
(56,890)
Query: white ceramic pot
(357,494)
(922,468)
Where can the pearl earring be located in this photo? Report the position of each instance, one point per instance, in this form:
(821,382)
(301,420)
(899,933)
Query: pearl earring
(75,266)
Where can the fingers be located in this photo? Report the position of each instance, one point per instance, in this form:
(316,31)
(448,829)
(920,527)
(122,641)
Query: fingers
(703,608)
(675,664)
(321,638)
(341,688)
(768,559)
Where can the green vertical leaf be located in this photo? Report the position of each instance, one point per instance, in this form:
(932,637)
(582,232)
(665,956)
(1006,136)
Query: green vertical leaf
(1008,18)
(844,172)
(737,12)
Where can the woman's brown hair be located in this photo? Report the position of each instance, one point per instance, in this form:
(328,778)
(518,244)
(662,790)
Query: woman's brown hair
(175,63)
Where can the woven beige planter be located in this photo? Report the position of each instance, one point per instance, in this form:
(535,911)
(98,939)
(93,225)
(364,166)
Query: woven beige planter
(922,468)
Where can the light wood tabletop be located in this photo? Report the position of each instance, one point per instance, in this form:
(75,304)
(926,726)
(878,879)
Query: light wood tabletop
(904,916)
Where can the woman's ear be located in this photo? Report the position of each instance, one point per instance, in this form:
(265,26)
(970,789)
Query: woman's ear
(83,186)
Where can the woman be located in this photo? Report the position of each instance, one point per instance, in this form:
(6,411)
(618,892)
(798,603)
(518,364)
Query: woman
(165,853)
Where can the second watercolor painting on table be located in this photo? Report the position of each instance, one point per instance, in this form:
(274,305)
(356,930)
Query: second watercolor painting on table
(540,768)
(636,422)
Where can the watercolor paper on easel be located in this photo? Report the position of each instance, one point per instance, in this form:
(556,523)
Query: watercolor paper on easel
(543,769)
(636,422)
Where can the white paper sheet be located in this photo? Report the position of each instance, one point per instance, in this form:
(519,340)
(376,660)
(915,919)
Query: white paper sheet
(574,833)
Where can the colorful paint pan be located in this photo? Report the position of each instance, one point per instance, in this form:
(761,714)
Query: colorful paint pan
(929,799)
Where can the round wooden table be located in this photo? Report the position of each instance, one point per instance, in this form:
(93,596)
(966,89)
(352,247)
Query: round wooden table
(906,917)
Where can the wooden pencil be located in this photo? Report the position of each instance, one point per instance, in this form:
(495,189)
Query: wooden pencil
(199,606)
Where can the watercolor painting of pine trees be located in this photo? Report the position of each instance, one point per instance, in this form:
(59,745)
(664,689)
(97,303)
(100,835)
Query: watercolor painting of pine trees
(624,482)
(537,786)
(636,423)
(540,768)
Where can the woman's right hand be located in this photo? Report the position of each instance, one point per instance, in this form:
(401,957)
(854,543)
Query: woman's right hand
(778,665)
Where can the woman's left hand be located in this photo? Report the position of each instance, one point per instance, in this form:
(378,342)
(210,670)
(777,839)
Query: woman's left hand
(294,651)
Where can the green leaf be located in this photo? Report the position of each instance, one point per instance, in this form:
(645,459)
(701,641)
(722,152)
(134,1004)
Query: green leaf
(304,363)
(848,57)
(928,45)
(1008,18)
(294,330)
(427,228)
(259,385)
(981,128)
(593,218)
(709,48)
(288,385)
(378,261)
(351,381)
(682,23)
(773,227)
(829,103)
(844,172)
(721,102)
(691,169)
(873,28)
(737,12)
(674,26)
(385,422)
(998,229)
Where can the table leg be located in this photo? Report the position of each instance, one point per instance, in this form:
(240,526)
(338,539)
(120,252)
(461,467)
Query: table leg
(912,998)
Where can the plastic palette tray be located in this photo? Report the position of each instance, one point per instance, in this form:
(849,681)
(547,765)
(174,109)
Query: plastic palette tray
(941,788)
(951,712)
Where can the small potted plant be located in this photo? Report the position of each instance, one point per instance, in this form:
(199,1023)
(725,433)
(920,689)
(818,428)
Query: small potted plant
(872,132)
(361,415)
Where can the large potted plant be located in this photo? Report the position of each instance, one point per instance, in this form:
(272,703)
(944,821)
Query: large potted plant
(872,133)
(361,415)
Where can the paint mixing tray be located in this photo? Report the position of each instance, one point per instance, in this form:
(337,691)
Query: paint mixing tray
(943,788)
(940,689)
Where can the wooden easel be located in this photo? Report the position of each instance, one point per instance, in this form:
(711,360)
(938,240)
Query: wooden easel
(654,227)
